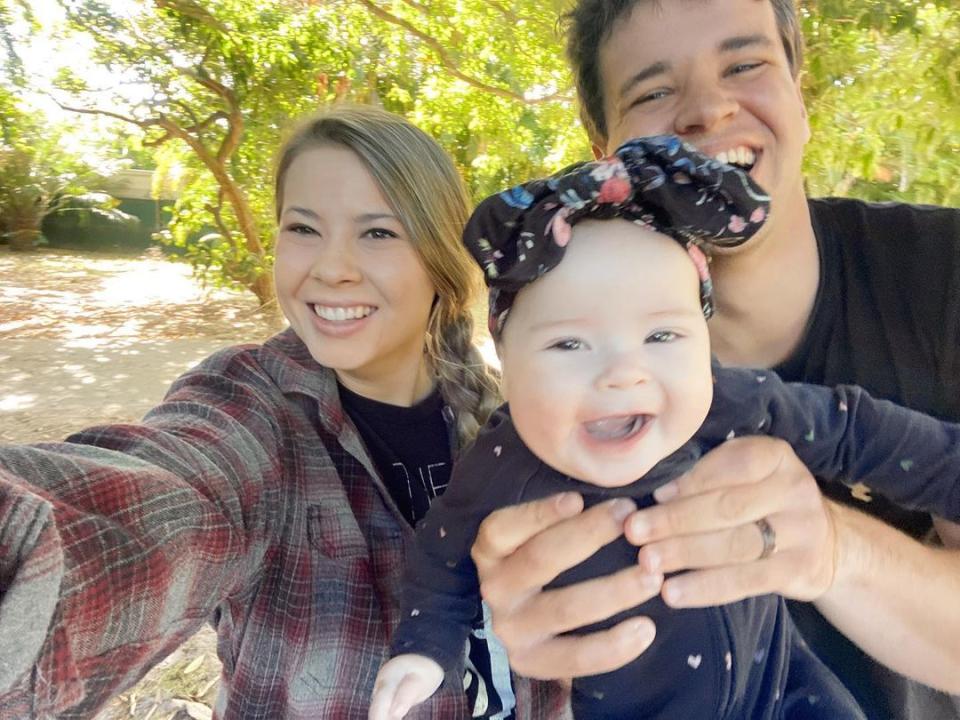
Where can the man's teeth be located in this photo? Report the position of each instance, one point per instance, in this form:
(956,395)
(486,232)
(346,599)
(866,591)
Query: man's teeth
(743,156)
(614,428)
(340,314)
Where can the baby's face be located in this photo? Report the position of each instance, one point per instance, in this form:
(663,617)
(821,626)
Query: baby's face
(606,358)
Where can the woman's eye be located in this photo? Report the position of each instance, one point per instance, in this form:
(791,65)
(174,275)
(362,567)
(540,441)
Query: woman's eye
(380,233)
(662,336)
(568,344)
(299,229)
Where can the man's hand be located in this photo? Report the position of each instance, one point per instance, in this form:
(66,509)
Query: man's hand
(706,522)
(520,549)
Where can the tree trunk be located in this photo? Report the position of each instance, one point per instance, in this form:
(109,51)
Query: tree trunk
(23,240)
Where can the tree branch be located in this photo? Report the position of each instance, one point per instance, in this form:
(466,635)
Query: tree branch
(216,211)
(449,63)
(144,124)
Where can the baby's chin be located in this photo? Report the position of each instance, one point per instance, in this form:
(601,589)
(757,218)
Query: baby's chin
(612,475)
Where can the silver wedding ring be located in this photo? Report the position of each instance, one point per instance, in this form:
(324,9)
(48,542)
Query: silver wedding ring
(769,538)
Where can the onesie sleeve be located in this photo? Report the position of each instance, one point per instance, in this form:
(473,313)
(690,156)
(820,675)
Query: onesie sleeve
(845,434)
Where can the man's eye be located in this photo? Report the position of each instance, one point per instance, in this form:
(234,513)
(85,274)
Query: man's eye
(662,336)
(568,344)
(741,68)
(651,96)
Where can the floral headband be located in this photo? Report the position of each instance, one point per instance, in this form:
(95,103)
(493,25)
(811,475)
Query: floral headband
(658,182)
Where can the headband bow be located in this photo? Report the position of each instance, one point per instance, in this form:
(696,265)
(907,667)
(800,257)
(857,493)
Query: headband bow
(659,182)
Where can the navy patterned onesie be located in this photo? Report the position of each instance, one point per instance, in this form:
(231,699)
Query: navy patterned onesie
(741,660)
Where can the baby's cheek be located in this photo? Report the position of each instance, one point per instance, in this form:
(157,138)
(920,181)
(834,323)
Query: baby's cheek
(544,427)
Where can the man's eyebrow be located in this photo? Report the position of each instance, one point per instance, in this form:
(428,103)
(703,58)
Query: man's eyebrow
(657,68)
(741,41)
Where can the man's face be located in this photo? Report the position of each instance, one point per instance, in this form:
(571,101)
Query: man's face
(715,73)
(606,358)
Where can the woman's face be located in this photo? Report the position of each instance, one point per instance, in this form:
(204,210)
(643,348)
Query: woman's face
(349,279)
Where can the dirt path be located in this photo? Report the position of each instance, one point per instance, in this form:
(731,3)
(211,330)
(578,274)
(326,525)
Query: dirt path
(87,339)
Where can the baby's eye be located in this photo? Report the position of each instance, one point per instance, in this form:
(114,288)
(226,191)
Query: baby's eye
(662,336)
(568,344)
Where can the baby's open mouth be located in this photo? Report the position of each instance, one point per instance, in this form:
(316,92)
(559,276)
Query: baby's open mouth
(616,428)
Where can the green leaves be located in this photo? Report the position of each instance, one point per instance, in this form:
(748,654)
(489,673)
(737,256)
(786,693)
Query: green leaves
(881,89)
(217,83)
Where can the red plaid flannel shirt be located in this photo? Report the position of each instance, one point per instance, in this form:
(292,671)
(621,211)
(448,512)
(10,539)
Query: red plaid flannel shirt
(247,499)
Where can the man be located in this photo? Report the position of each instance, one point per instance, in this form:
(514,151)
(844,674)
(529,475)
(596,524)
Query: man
(828,292)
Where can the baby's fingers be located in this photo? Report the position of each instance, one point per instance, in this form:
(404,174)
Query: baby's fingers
(413,690)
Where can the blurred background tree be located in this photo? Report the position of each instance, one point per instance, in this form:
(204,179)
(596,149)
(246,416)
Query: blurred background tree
(205,90)
(38,177)
(883,89)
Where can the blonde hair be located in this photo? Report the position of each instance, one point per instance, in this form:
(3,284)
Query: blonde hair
(427,194)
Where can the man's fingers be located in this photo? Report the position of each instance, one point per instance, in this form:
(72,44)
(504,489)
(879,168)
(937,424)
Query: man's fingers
(740,461)
(576,656)
(505,530)
(558,611)
(546,554)
(721,509)
(739,544)
(719,586)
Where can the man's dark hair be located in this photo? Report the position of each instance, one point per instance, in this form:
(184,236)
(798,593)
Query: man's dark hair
(589,25)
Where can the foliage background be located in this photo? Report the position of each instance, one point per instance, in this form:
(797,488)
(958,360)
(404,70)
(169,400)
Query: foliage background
(205,91)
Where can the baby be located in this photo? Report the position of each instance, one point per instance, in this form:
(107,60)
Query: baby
(600,293)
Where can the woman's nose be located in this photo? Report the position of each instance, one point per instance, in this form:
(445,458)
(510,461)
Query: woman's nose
(335,262)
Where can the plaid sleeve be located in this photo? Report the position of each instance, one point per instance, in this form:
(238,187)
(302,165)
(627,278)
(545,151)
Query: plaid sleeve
(116,545)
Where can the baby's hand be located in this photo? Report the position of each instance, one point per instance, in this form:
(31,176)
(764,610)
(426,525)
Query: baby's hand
(403,681)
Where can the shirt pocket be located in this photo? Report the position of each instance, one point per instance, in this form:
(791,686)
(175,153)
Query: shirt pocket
(334,533)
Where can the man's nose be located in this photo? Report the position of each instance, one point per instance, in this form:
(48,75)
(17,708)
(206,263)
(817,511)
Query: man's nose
(702,107)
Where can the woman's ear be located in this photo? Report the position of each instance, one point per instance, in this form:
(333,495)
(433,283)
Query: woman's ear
(498,346)
(803,112)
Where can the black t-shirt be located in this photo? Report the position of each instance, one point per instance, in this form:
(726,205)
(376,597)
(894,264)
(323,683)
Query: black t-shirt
(887,317)
(410,447)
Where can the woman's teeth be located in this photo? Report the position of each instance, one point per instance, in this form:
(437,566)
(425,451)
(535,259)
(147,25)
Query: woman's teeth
(341,314)
(615,428)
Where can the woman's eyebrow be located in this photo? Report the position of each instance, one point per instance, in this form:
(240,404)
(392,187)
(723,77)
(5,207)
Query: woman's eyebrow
(370,217)
(302,211)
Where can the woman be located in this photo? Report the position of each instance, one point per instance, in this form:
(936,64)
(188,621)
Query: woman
(274,489)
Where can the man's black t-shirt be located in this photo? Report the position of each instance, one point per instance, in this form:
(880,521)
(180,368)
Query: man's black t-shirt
(887,317)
